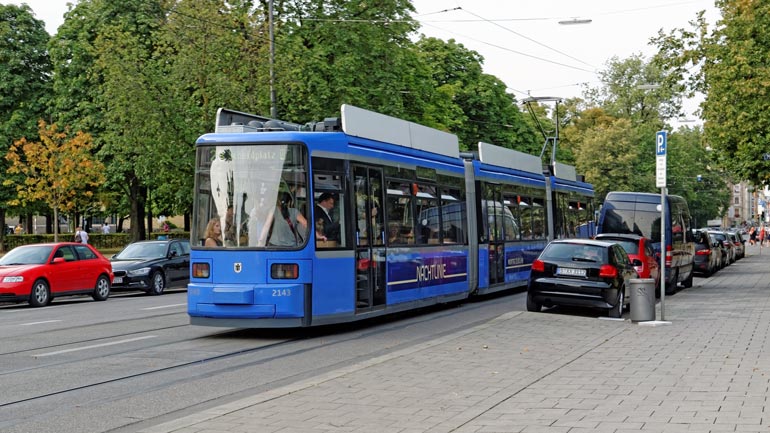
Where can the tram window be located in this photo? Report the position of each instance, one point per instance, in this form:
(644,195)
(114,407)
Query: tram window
(453,216)
(539,218)
(492,206)
(454,226)
(398,209)
(426,173)
(511,222)
(525,216)
(400,173)
(329,192)
(238,185)
(427,209)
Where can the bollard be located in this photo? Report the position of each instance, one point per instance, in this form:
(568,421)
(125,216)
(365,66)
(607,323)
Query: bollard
(642,299)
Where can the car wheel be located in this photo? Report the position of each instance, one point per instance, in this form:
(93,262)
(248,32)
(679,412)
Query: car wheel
(157,283)
(688,282)
(616,312)
(40,295)
(671,288)
(532,305)
(102,289)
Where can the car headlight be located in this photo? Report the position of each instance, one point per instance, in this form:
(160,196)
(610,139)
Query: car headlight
(18,279)
(138,272)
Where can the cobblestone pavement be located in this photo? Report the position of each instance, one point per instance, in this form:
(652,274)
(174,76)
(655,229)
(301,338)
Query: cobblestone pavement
(705,371)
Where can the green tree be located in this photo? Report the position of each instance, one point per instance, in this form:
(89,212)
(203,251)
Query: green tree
(623,93)
(620,114)
(25,84)
(477,105)
(57,170)
(611,158)
(729,64)
(695,176)
(358,53)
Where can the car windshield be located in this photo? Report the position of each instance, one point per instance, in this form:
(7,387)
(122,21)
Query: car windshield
(142,251)
(28,255)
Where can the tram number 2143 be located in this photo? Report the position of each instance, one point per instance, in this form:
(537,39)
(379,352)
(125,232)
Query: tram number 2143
(281,292)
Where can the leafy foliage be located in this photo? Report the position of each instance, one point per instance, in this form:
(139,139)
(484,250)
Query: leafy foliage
(57,170)
(729,63)
(25,84)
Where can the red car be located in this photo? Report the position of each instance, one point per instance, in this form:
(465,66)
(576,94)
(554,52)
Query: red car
(40,272)
(637,247)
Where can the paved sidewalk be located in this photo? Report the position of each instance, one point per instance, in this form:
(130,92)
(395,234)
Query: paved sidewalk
(708,371)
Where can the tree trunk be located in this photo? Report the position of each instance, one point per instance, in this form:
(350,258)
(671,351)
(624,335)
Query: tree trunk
(56,225)
(149,212)
(137,194)
(5,228)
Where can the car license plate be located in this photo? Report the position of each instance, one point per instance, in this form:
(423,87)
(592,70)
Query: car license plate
(117,280)
(571,272)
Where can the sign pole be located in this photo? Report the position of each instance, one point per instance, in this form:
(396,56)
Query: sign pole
(661,140)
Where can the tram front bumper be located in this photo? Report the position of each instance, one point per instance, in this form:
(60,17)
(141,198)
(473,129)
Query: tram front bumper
(246,301)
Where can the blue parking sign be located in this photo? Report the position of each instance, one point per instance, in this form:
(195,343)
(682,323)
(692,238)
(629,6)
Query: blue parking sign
(660,143)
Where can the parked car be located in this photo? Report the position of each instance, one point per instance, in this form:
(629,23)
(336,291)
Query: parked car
(739,243)
(638,247)
(152,266)
(728,249)
(708,253)
(719,250)
(37,273)
(581,272)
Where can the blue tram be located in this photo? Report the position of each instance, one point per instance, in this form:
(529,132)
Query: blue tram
(365,215)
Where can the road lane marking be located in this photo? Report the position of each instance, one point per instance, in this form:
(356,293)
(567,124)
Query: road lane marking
(39,323)
(164,306)
(26,310)
(58,352)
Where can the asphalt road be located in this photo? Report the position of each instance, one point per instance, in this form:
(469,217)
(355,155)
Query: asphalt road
(134,360)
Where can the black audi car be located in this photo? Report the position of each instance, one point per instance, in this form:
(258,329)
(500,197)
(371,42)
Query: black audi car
(581,272)
(152,266)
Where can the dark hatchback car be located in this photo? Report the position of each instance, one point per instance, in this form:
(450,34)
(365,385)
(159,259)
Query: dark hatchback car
(581,272)
(152,266)
(708,253)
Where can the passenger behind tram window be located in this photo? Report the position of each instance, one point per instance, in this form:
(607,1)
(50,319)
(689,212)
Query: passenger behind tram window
(394,234)
(229,231)
(213,235)
(327,230)
(289,225)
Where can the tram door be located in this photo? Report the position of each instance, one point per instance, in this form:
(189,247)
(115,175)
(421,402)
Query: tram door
(494,225)
(370,235)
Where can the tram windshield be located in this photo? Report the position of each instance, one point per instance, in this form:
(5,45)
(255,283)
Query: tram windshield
(250,196)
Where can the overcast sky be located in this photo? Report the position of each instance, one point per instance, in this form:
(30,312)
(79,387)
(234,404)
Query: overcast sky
(522,41)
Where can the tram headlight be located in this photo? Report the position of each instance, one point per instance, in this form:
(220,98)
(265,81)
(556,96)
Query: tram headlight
(200,270)
(284,271)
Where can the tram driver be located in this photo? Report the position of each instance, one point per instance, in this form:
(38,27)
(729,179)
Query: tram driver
(326,228)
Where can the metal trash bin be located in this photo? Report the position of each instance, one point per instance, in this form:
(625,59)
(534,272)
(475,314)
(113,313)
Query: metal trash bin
(642,299)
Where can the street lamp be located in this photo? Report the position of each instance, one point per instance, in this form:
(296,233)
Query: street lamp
(273,108)
(574,21)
